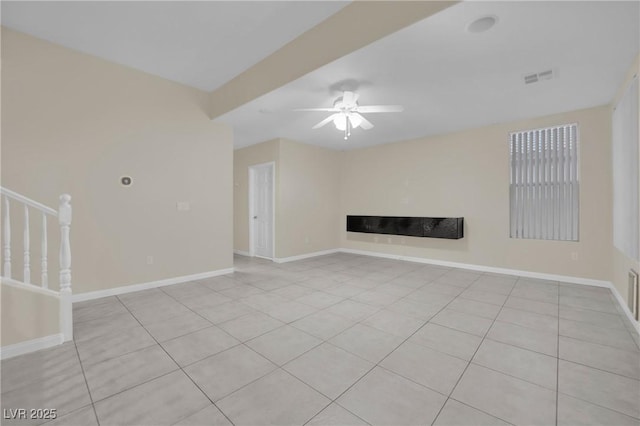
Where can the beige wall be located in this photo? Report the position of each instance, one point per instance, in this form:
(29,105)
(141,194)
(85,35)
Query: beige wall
(27,315)
(308,203)
(467,174)
(307,188)
(622,263)
(75,123)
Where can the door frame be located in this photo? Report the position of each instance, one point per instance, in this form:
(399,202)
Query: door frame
(252,171)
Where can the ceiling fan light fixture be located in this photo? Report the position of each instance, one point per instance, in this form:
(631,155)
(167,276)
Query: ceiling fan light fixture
(340,122)
(355,120)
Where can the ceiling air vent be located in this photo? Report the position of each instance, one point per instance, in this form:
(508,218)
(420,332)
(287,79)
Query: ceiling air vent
(538,76)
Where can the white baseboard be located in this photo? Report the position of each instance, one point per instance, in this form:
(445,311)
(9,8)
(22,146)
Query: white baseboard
(242,253)
(483,268)
(145,286)
(304,256)
(22,348)
(625,308)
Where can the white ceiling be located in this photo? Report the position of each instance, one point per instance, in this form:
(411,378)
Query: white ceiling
(202,44)
(449,79)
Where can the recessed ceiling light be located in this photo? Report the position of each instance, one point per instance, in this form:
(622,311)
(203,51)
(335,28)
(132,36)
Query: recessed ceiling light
(483,24)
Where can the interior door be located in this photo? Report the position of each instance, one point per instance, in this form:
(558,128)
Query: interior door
(262,212)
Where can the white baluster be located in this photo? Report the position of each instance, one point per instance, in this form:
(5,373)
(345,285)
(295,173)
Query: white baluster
(64,218)
(26,239)
(6,231)
(44,250)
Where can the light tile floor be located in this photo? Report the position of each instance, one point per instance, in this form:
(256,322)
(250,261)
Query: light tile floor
(340,340)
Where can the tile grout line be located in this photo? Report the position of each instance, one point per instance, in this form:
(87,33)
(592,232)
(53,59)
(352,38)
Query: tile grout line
(624,320)
(127,352)
(601,370)
(604,345)
(543,331)
(93,406)
(135,386)
(482,411)
(612,300)
(636,419)
(180,368)
(597,343)
(479,365)
(474,354)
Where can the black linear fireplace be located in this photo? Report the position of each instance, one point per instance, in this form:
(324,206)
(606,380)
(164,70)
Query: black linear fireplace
(433,227)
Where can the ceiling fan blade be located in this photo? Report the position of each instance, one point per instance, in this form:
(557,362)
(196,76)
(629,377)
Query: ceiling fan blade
(349,98)
(317,109)
(325,121)
(367,109)
(364,123)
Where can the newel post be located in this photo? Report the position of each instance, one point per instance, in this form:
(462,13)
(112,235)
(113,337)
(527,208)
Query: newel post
(64,218)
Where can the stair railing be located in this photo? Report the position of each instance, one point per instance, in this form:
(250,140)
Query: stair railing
(64,221)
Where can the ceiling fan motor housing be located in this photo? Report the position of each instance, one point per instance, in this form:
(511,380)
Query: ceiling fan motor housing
(339,104)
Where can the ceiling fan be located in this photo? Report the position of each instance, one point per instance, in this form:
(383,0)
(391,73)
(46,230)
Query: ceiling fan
(347,113)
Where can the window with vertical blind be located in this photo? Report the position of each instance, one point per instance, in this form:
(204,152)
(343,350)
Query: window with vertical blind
(544,184)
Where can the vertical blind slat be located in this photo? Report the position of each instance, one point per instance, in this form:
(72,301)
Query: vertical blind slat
(561,204)
(566,182)
(549,186)
(556,186)
(532,187)
(525,165)
(522,206)
(538,185)
(512,187)
(575,184)
(545,210)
